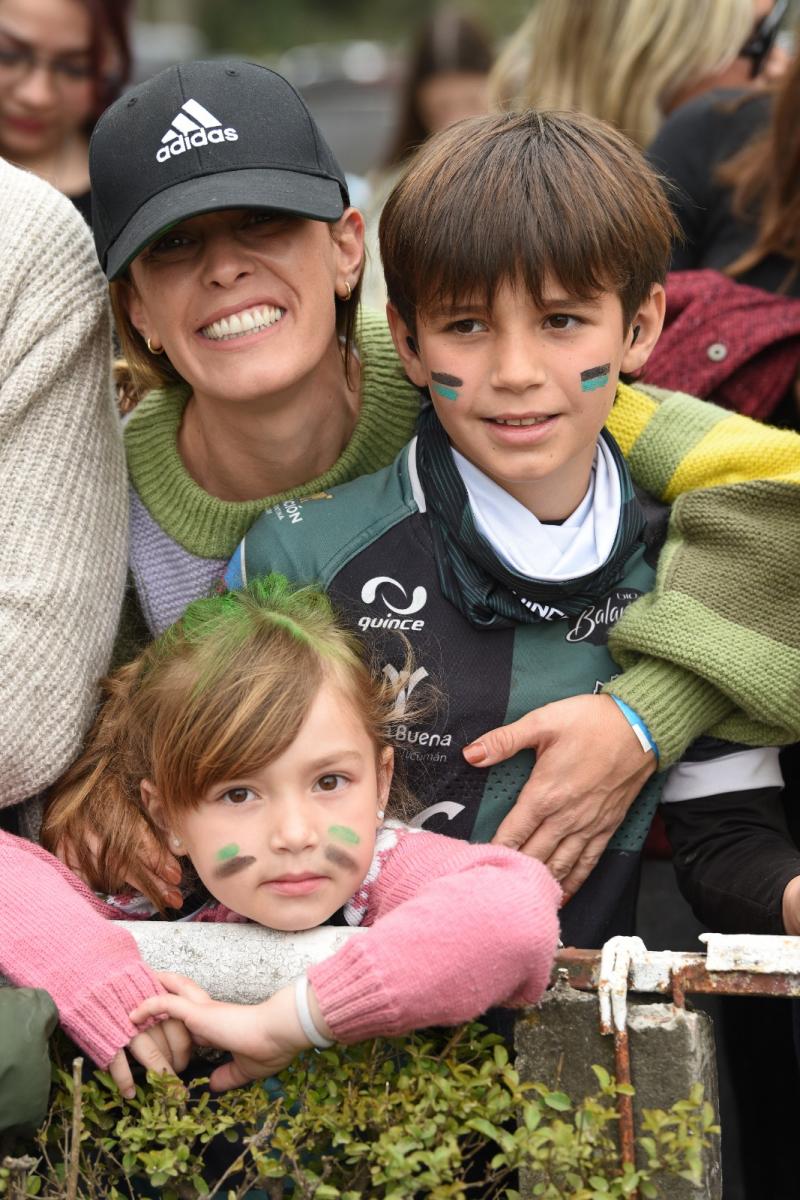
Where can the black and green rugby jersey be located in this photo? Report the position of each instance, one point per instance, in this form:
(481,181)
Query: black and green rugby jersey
(368,543)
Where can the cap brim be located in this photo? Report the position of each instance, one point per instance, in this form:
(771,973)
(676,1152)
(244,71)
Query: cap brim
(284,191)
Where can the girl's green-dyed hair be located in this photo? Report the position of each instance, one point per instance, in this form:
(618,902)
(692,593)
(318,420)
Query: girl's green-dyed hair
(222,692)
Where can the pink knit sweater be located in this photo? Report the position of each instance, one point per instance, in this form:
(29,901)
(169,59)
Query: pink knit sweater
(457,928)
(54,935)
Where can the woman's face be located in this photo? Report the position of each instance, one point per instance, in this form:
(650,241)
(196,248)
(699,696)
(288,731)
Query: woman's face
(452,96)
(243,300)
(46,81)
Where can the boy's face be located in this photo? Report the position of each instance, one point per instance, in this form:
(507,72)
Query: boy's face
(553,368)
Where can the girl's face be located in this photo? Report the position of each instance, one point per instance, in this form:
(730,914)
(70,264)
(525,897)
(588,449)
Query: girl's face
(46,81)
(289,844)
(243,300)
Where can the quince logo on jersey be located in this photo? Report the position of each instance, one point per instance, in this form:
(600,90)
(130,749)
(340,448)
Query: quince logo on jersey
(193,126)
(383,586)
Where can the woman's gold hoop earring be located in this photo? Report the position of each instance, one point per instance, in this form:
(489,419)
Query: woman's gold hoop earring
(155,353)
(349,292)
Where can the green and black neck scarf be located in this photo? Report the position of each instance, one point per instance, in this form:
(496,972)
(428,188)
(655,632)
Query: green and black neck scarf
(473,578)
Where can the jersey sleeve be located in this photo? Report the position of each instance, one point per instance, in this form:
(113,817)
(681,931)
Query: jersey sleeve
(733,852)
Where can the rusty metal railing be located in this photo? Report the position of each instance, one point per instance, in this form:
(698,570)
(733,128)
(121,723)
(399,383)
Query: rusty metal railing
(733,965)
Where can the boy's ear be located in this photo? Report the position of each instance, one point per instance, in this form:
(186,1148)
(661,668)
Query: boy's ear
(155,807)
(404,339)
(648,320)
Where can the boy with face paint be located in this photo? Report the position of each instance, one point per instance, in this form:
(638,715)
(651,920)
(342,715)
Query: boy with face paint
(525,257)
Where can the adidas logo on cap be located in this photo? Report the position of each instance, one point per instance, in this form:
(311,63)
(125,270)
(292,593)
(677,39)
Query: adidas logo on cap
(193,126)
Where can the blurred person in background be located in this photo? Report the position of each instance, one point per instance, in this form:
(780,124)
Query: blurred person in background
(629,62)
(61,63)
(735,159)
(447,79)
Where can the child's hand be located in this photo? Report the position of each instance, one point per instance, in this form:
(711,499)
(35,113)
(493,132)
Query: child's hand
(160,867)
(791,906)
(263,1038)
(165,1048)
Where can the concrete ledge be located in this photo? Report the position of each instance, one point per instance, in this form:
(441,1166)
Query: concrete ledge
(242,964)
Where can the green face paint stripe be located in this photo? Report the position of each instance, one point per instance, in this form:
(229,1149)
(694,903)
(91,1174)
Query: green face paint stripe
(445,385)
(343,833)
(445,392)
(595,377)
(227,852)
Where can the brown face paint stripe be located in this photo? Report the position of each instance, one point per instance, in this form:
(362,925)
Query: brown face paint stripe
(595,372)
(447,380)
(234,865)
(340,858)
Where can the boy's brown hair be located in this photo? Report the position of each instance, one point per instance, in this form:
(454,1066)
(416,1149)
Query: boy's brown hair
(518,197)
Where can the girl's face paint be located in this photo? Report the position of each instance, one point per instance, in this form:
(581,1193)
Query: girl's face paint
(343,833)
(595,377)
(287,844)
(341,858)
(446,385)
(234,865)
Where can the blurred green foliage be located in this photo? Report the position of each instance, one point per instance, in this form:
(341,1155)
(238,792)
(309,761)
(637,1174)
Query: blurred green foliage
(261,28)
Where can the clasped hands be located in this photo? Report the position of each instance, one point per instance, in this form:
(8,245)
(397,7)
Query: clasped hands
(262,1038)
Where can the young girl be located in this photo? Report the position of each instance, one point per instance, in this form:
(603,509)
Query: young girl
(253,737)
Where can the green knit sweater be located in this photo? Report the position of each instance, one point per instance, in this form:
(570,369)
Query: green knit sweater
(213,528)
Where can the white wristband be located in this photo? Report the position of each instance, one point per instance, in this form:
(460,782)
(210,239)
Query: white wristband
(304,1015)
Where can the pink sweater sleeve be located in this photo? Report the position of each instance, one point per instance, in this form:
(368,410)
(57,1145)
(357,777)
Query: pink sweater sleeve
(456,928)
(54,935)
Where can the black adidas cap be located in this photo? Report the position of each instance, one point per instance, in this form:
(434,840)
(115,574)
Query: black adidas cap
(200,137)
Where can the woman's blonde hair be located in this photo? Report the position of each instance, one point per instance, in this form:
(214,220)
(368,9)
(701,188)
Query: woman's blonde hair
(625,61)
(221,693)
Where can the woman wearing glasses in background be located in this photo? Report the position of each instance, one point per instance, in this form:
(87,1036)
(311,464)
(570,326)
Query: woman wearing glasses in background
(632,62)
(61,63)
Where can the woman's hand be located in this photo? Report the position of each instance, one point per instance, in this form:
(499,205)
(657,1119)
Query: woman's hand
(158,866)
(263,1038)
(165,1048)
(791,906)
(589,770)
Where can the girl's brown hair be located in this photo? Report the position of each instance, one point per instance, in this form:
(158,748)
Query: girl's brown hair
(765,178)
(223,692)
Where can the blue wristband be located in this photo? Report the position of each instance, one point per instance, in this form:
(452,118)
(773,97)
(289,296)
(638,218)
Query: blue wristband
(643,734)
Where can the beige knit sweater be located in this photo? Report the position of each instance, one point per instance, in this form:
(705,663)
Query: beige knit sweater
(63,500)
